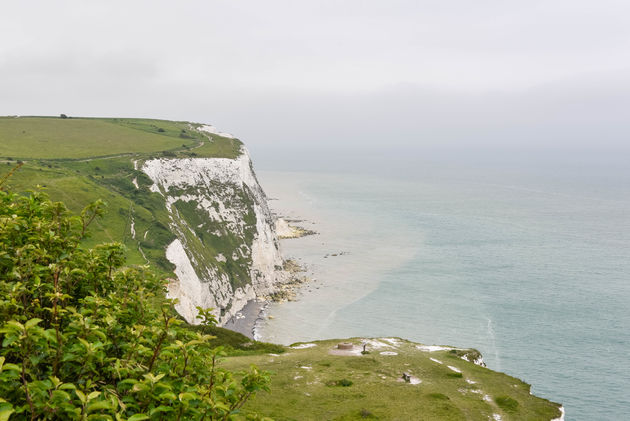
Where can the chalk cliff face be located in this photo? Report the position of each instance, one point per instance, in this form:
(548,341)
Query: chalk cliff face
(226,251)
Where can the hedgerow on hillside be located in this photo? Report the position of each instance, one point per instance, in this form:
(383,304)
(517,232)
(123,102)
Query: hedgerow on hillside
(85,338)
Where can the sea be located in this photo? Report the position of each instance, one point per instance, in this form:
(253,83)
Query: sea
(528,263)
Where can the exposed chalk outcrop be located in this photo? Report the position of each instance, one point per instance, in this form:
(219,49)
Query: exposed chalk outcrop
(472,356)
(283,229)
(226,251)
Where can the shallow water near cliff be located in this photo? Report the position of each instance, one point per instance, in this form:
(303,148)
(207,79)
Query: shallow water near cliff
(529,267)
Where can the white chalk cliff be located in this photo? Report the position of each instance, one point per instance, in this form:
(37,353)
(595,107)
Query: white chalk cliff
(226,251)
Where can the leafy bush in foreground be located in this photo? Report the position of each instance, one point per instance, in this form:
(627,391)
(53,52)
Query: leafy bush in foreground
(83,337)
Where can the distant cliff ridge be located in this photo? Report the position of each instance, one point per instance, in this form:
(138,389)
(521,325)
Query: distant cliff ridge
(226,251)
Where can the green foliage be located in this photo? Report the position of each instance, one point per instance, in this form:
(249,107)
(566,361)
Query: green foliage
(83,337)
(342,383)
(206,316)
(507,403)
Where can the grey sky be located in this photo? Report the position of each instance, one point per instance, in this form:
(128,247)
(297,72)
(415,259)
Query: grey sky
(427,74)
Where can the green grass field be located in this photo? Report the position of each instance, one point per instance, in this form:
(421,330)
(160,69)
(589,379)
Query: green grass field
(74,138)
(54,138)
(308,385)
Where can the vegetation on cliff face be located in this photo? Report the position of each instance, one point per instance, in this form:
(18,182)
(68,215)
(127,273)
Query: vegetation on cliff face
(83,337)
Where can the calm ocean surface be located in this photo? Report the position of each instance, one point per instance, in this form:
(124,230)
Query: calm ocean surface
(530,267)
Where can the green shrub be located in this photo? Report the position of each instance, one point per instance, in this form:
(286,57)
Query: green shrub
(507,403)
(342,383)
(364,413)
(83,337)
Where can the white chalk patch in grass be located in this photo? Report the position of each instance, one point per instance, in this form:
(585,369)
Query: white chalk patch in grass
(470,381)
(389,353)
(455,369)
(433,348)
(298,377)
(414,380)
(303,346)
(392,341)
(487,398)
(496,417)
(135,182)
(436,361)
(306,367)
(354,352)
(374,343)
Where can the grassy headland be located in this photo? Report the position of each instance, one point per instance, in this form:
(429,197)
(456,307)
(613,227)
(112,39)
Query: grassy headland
(314,384)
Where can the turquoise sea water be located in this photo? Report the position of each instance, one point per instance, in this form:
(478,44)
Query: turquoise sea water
(530,267)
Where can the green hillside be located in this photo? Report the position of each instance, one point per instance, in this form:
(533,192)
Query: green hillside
(80,160)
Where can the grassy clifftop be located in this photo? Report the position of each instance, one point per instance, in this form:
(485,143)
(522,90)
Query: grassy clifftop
(54,138)
(317,382)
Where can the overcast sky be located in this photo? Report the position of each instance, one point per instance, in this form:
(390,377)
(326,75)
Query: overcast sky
(303,75)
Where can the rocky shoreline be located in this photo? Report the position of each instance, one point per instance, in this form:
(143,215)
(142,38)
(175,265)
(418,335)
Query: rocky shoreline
(285,229)
(248,319)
